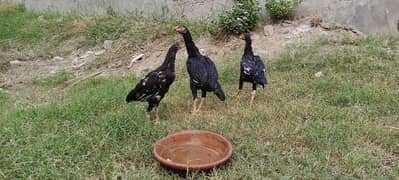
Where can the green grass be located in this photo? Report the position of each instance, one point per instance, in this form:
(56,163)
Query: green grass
(14,26)
(302,127)
(19,28)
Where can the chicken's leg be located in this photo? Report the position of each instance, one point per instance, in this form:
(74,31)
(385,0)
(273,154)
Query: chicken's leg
(240,86)
(156,115)
(194,111)
(195,98)
(253,94)
(203,100)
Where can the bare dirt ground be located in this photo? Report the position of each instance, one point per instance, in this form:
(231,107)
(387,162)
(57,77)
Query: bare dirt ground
(20,68)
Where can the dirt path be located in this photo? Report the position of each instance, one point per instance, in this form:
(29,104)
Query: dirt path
(268,41)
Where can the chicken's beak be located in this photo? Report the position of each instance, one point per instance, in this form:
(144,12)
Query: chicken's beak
(180,29)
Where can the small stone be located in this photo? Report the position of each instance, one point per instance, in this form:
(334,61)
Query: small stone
(319,74)
(268,30)
(53,72)
(16,62)
(285,24)
(41,18)
(326,26)
(107,44)
(87,54)
(285,31)
(79,66)
(289,22)
(100,52)
(58,58)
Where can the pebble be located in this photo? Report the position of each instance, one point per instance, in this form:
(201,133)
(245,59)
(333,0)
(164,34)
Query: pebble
(58,58)
(319,74)
(87,54)
(79,65)
(16,62)
(107,44)
(41,18)
(100,52)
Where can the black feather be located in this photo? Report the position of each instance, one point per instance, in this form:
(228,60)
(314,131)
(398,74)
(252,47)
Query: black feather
(260,72)
(219,92)
(153,87)
(252,68)
(201,69)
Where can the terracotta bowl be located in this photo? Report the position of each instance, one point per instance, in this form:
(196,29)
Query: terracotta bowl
(193,150)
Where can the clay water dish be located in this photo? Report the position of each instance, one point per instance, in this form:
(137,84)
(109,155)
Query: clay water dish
(193,150)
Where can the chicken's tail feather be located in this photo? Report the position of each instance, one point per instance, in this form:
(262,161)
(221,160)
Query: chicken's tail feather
(262,80)
(219,92)
(135,95)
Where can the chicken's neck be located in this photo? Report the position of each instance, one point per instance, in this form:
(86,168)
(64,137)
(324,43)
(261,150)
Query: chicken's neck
(192,50)
(169,62)
(248,48)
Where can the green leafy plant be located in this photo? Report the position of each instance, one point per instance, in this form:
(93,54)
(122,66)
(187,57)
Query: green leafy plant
(281,9)
(242,17)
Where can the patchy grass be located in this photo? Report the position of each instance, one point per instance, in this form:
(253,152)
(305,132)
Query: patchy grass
(20,28)
(54,80)
(335,126)
(3,97)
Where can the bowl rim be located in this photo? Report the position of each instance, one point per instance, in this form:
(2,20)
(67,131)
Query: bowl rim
(181,166)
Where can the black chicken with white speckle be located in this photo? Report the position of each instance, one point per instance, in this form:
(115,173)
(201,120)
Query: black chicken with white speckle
(252,68)
(156,84)
(202,71)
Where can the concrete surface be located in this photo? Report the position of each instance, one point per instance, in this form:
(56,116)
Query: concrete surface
(368,16)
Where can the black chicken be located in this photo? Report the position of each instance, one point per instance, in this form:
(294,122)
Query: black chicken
(156,84)
(252,68)
(202,71)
